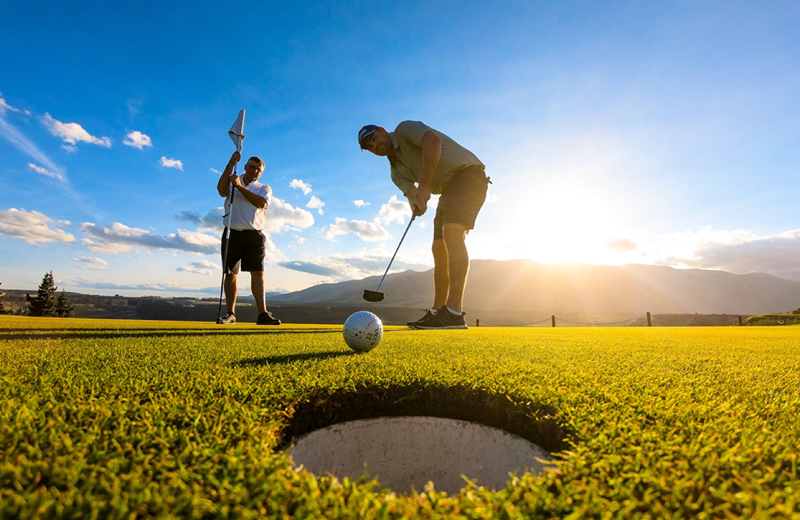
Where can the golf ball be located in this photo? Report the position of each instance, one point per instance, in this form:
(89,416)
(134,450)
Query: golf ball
(363,331)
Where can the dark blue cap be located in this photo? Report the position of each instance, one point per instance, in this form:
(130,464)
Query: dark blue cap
(365,132)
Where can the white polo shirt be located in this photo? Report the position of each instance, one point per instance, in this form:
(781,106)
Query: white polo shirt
(244,215)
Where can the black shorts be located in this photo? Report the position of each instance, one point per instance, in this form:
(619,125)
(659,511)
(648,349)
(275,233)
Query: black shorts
(462,200)
(247,248)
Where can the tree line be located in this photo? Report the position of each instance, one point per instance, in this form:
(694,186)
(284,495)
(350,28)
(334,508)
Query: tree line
(45,303)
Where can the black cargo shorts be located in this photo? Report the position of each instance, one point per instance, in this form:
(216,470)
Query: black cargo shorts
(246,247)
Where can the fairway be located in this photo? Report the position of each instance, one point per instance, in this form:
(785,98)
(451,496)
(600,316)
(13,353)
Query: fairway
(129,419)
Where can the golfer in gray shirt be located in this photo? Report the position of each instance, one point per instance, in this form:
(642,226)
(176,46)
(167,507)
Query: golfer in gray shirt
(425,161)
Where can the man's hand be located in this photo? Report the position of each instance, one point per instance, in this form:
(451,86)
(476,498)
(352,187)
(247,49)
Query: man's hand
(236,181)
(235,158)
(422,197)
(417,209)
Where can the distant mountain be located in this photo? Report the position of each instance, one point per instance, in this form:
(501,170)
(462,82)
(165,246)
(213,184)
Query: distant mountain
(522,285)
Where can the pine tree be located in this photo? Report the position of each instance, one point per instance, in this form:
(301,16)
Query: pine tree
(64,307)
(44,304)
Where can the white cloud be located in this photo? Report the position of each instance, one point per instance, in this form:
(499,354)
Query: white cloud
(171,163)
(45,172)
(272,253)
(355,266)
(216,171)
(298,184)
(369,231)
(621,245)
(92,263)
(281,216)
(316,203)
(211,222)
(137,139)
(202,267)
(31,226)
(739,252)
(360,203)
(394,211)
(145,287)
(118,238)
(19,141)
(5,107)
(73,133)
(69,148)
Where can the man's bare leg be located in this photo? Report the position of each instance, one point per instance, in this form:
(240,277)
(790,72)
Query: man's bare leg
(257,286)
(441,275)
(231,286)
(457,263)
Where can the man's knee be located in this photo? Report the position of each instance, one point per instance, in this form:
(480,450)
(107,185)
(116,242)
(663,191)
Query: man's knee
(453,233)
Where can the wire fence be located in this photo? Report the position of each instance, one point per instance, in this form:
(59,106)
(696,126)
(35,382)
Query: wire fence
(645,320)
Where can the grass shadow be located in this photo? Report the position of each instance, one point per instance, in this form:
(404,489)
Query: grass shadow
(148,333)
(291,358)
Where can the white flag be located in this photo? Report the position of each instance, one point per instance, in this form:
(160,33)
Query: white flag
(236,132)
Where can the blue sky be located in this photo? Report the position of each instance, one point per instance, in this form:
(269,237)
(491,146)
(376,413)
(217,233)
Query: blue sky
(618,132)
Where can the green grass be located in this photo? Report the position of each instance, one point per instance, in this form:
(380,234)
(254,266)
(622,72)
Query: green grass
(131,419)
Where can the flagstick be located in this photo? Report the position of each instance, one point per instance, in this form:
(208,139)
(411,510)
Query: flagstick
(236,133)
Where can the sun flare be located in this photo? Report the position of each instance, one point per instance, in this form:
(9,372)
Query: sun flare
(564,225)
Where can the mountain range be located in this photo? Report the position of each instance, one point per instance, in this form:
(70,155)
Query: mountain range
(527,286)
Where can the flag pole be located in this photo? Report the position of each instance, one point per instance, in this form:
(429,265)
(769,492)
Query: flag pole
(236,133)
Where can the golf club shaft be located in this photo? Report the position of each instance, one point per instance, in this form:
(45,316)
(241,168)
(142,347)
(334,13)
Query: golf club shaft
(395,252)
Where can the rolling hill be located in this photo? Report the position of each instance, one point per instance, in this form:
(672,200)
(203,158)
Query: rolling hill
(522,285)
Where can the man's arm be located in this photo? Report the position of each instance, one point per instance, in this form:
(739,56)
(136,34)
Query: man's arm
(224,183)
(254,199)
(431,153)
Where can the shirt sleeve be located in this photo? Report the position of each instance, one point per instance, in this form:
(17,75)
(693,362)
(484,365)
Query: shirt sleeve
(412,131)
(266,192)
(401,182)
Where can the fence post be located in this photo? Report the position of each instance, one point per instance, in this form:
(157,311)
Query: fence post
(553,319)
(649,323)
(740,321)
(478,323)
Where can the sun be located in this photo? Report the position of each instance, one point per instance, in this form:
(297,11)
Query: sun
(564,225)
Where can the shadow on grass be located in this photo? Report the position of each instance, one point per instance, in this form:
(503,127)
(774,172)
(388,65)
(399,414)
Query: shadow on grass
(290,358)
(13,334)
(538,423)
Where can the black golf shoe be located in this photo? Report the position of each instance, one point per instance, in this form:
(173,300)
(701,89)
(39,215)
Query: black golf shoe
(228,319)
(266,318)
(444,320)
(428,315)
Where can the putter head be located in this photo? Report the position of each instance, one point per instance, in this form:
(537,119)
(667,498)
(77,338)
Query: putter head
(373,296)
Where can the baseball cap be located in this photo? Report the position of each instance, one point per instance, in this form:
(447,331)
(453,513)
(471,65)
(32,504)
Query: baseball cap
(365,132)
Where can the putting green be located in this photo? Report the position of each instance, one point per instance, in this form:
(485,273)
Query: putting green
(122,419)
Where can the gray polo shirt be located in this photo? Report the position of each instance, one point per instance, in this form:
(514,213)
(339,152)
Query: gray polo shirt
(407,160)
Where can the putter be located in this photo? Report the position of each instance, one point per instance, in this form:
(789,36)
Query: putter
(376,295)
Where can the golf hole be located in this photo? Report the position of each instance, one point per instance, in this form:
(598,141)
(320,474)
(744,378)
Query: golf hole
(405,453)
(407,436)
